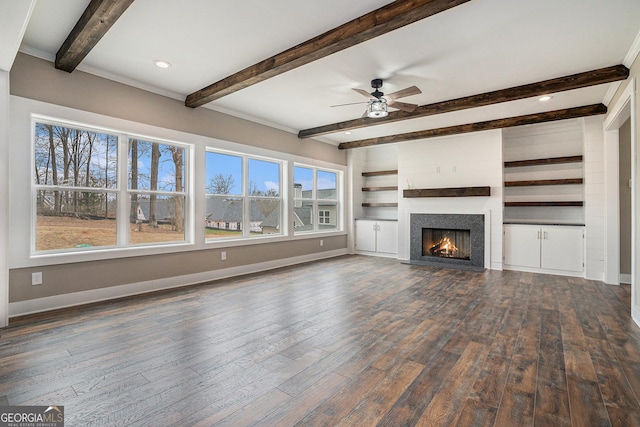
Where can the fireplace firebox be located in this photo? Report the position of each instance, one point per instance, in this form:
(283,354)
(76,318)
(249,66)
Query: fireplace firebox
(446,243)
(447,240)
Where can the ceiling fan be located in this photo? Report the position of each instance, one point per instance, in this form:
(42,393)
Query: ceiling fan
(378,101)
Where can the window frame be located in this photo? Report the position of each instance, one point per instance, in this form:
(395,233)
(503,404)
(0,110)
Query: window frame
(246,234)
(316,201)
(21,204)
(120,190)
(126,139)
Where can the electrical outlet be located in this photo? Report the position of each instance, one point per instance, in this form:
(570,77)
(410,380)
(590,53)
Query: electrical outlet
(321,242)
(223,255)
(36,278)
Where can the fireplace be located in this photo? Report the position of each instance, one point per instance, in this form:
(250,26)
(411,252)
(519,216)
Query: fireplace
(447,240)
(446,243)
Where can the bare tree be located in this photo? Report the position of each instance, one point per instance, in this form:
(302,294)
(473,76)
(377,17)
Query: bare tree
(176,155)
(54,169)
(153,185)
(220,184)
(133,215)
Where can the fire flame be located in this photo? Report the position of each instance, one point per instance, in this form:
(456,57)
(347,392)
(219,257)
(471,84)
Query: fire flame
(444,247)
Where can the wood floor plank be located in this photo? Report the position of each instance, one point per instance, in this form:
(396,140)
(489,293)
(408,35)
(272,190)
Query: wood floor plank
(354,340)
(476,414)
(551,405)
(446,406)
(410,406)
(587,408)
(340,404)
(375,404)
(516,408)
(490,384)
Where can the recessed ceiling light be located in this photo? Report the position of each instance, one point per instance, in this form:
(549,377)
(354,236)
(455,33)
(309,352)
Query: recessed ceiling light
(545,98)
(347,133)
(162,64)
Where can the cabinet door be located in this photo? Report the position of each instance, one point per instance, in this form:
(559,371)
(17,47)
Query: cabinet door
(388,237)
(522,246)
(365,235)
(562,248)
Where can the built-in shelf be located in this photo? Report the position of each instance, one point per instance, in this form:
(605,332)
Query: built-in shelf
(379,205)
(544,161)
(381,188)
(390,188)
(566,181)
(557,203)
(380,173)
(448,192)
(544,182)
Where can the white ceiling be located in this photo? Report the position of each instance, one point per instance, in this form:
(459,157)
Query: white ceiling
(476,47)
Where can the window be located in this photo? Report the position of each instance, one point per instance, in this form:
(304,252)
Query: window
(76,184)
(79,194)
(243,196)
(315,199)
(156,192)
(324,217)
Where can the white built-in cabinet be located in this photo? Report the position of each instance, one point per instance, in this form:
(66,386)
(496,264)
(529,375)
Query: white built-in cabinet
(377,237)
(555,249)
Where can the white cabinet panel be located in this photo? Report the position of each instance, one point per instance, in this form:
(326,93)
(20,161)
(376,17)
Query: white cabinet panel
(365,235)
(562,248)
(377,236)
(387,237)
(522,246)
(545,249)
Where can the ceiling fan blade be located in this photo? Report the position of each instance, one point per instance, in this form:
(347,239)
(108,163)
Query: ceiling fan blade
(402,93)
(363,93)
(351,103)
(404,106)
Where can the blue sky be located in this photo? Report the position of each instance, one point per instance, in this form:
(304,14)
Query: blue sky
(263,174)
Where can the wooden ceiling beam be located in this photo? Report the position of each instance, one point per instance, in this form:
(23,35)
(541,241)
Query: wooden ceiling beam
(383,20)
(94,23)
(550,116)
(545,87)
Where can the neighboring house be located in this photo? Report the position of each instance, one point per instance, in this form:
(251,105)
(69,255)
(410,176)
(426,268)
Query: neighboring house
(226,214)
(271,224)
(165,211)
(302,218)
(327,216)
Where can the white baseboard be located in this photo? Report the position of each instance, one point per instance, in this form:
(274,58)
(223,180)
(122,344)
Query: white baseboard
(38,305)
(378,254)
(625,278)
(543,271)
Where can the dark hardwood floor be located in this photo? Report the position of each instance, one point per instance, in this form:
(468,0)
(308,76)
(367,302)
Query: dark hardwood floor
(351,341)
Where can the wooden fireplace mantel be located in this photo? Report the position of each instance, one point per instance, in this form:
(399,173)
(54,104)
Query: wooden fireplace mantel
(448,192)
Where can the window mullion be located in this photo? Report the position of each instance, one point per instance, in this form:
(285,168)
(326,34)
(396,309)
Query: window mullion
(122,217)
(246,201)
(314,195)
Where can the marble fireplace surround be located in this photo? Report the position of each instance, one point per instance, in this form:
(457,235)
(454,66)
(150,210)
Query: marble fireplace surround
(472,222)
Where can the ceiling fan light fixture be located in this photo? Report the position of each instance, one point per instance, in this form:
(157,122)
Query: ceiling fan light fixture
(377,108)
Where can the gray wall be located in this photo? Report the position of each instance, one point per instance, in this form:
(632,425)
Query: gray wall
(37,79)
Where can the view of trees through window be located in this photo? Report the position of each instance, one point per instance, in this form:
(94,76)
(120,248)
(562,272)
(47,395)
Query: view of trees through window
(239,204)
(89,197)
(156,192)
(76,179)
(77,189)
